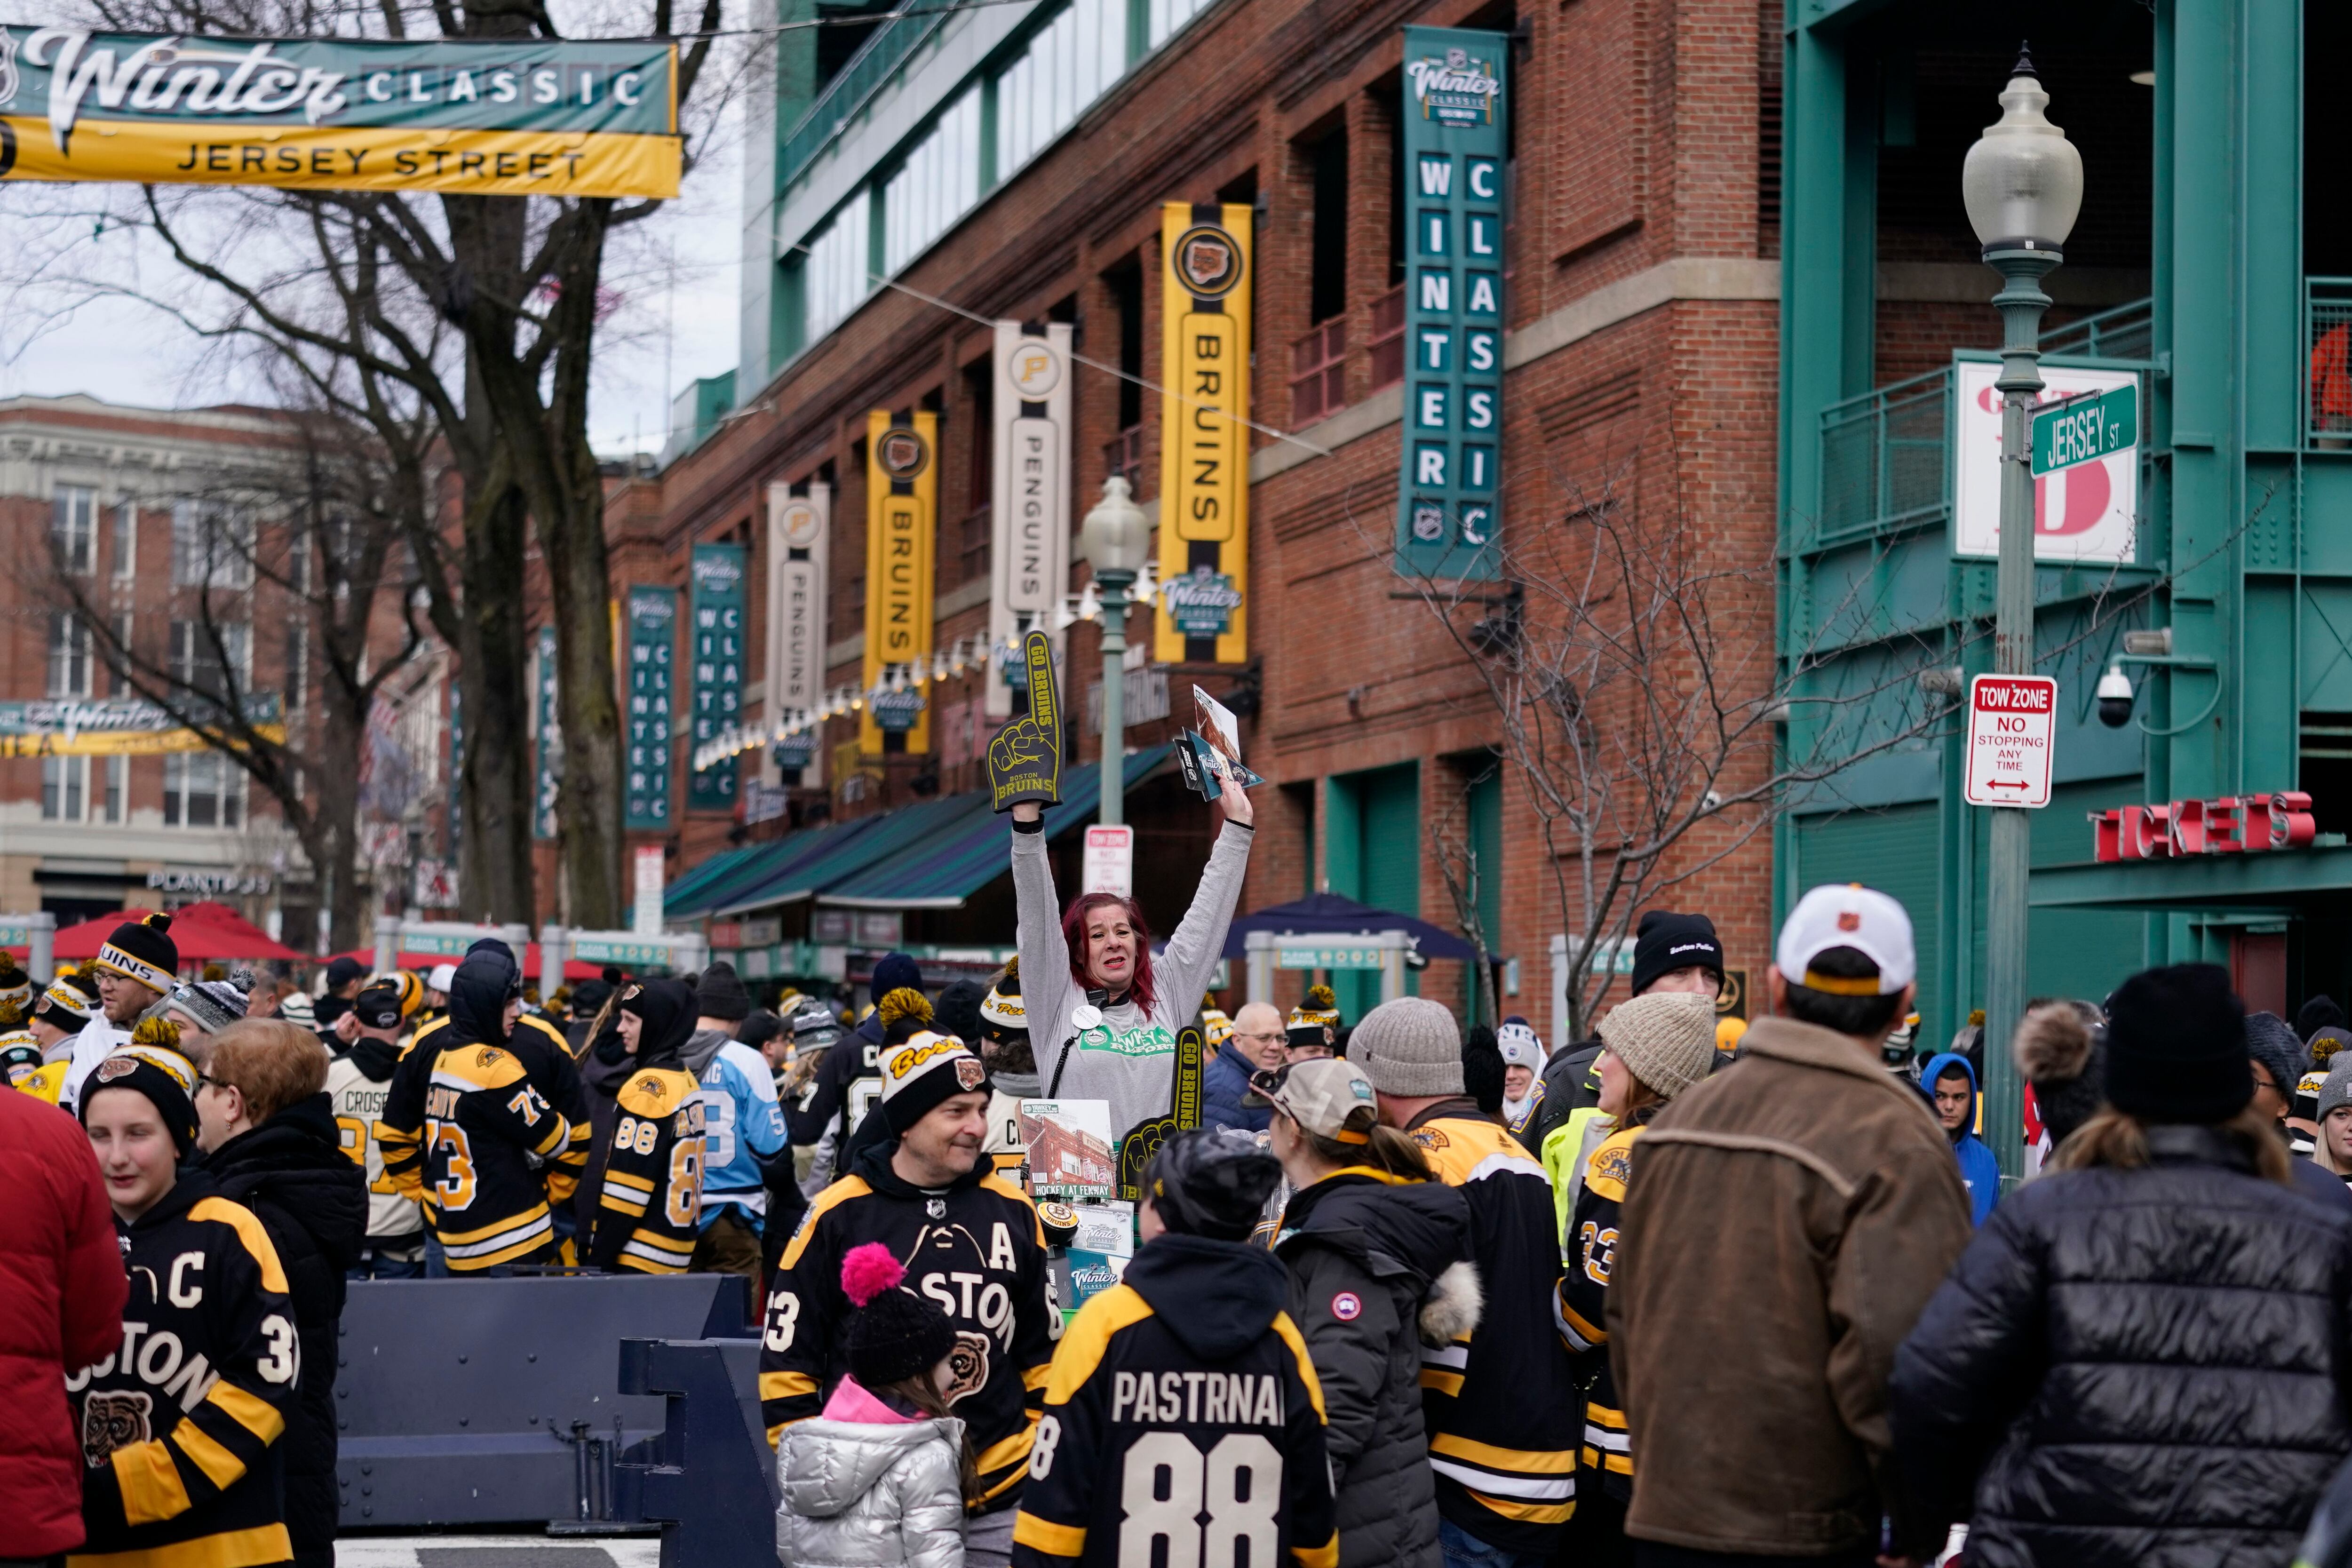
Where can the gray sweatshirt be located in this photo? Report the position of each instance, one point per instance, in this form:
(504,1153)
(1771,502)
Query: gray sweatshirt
(1129,1059)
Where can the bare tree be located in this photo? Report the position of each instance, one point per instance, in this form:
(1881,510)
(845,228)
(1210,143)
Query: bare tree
(286,614)
(370,278)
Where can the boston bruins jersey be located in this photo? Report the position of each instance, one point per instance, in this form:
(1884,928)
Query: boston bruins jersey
(1608,1451)
(650,1208)
(485,1123)
(546,1057)
(1501,1404)
(975,1250)
(1182,1422)
(180,1428)
(359,1080)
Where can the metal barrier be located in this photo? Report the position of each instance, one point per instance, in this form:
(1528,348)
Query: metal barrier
(497,1401)
(708,1477)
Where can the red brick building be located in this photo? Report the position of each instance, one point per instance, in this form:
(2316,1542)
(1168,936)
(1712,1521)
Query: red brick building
(1641,358)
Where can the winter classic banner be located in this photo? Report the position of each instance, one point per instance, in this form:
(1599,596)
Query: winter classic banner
(522,118)
(68,726)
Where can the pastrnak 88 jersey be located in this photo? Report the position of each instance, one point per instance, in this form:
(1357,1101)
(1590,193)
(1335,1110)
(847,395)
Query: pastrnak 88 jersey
(485,1122)
(1193,1437)
(180,1429)
(650,1209)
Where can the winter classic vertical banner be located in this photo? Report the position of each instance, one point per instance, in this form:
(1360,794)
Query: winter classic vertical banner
(525,117)
(653,654)
(800,540)
(1030,560)
(549,738)
(902,484)
(1449,492)
(717,616)
(1204,276)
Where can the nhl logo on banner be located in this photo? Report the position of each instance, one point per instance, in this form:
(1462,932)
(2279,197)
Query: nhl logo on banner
(1208,261)
(1428,522)
(903,455)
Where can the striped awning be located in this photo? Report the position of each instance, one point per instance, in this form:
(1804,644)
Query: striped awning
(951,861)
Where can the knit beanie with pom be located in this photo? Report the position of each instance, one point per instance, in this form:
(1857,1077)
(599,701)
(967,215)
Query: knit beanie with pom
(903,1012)
(896,1334)
(1307,1021)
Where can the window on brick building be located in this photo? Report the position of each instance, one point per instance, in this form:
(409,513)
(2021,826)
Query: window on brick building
(981,486)
(208,659)
(69,649)
(1326,290)
(126,538)
(73,521)
(202,789)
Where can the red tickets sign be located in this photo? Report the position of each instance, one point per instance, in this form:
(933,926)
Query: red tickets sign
(2230,825)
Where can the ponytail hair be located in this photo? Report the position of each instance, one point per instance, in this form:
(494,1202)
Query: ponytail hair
(1386,1150)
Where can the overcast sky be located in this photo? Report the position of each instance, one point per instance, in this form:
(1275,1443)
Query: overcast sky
(664,334)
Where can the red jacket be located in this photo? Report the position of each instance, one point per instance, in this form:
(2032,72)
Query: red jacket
(62,1291)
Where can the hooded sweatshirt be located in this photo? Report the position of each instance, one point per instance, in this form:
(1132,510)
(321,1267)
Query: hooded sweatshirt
(1979,1170)
(1192,1367)
(1129,1056)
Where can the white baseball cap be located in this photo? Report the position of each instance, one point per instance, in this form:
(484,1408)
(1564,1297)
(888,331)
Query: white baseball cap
(441,977)
(1517,1042)
(1847,915)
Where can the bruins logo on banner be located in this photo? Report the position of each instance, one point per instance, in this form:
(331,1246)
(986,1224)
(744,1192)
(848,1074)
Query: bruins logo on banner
(1204,444)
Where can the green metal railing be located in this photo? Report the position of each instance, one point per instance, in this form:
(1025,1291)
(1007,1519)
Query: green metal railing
(2327,338)
(1886,454)
(854,87)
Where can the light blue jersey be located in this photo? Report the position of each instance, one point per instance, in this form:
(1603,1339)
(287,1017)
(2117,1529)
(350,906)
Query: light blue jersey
(741,1124)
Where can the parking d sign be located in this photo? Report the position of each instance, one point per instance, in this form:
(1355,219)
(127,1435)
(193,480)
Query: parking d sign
(2010,717)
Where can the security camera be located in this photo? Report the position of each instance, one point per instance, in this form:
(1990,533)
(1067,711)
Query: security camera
(2115,694)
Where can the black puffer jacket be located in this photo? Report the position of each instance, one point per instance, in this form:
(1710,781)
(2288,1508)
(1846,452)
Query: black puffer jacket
(2144,1368)
(1375,1265)
(312,1198)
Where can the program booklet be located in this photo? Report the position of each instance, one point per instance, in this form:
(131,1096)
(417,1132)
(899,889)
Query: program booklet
(1069,1145)
(1210,753)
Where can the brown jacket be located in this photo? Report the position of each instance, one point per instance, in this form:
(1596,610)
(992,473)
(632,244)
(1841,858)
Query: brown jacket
(1786,1222)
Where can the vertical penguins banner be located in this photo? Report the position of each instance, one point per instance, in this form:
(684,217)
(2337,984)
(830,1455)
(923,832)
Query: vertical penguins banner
(1029,506)
(902,485)
(715,612)
(1204,276)
(800,541)
(1449,494)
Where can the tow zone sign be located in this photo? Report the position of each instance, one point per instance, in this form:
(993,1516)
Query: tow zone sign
(2010,717)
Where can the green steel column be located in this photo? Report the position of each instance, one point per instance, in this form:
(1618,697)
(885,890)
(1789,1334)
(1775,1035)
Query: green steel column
(2009,865)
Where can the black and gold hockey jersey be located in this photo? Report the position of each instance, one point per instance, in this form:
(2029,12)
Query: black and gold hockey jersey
(1501,1404)
(649,1210)
(546,1057)
(359,1081)
(1182,1422)
(1583,1297)
(485,1121)
(974,1249)
(183,1467)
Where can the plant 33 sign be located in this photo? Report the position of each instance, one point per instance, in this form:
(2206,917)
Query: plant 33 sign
(2011,721)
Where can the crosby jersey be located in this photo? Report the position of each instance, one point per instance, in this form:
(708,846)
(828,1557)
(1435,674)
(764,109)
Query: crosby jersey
(182,1462)
(742,1128)
(1501,1402)
(1194,1437)
(974,1250)
(358,1101)
(650,1208)
(485,1124)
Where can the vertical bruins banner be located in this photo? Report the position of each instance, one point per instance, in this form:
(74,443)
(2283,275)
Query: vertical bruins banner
(1205,281)
(1029,506)
(800,540)
(902,486)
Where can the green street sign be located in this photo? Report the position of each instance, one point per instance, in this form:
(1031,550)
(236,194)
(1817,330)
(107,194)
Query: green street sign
(2083,429)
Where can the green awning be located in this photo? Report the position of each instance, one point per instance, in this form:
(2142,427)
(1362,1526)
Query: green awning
(680,896)
(737,887)
(857,845)
(943,868)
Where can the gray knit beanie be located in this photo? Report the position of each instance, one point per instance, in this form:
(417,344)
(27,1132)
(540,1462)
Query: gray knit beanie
(1666,1039)
(2271,1040)
(2336,1091)
(1408,1048)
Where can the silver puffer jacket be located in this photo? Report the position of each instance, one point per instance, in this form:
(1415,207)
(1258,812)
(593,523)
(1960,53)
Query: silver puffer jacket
(861,1495)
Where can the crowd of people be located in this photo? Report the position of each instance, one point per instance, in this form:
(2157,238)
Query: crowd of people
(1687,1293)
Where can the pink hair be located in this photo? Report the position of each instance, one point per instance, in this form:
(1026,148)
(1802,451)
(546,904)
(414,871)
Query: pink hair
(1074,935)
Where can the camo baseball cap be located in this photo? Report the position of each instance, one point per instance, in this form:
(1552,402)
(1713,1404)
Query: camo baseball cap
(1330,1097)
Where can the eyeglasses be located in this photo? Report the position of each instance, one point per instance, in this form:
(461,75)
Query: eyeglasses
(1274,1038)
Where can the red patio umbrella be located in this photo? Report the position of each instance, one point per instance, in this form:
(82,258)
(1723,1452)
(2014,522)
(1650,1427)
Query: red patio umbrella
(201,932)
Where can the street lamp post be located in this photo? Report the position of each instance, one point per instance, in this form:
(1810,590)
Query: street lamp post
(2022,184)
(1117,541)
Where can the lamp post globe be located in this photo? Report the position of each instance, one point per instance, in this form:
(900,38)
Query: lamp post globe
(1117,541)
(2023,186)
(2022,179)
